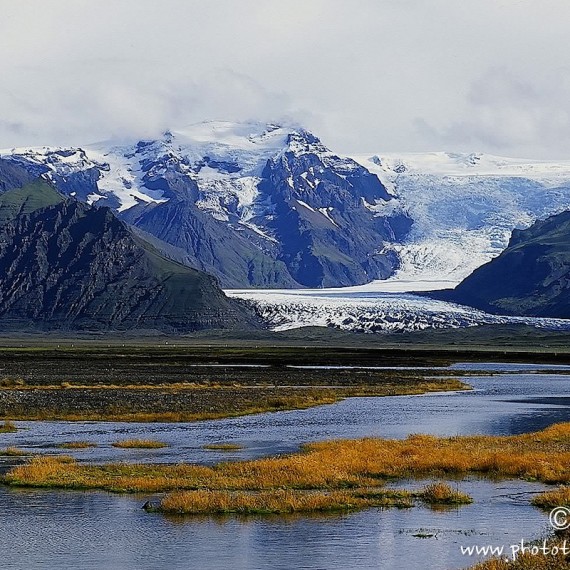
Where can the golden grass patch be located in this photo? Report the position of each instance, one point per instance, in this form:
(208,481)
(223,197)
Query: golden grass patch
(77,445)
(278,501)
(330,465)
(330,475)
(559,497)
(139,444)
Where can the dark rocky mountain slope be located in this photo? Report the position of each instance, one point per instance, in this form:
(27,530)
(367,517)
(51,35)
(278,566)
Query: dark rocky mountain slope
(68,265)
(531,277)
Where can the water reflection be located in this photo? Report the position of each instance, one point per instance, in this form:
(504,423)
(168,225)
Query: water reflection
(70,530)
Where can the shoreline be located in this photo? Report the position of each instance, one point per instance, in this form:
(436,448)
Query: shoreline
(189,404)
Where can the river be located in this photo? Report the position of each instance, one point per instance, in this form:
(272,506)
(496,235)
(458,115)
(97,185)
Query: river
(69,530)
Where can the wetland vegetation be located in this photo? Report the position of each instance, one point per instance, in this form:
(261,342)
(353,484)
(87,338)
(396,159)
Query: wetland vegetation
(139,444)
(559,497)
(341,474)
(13,452)
(170,384)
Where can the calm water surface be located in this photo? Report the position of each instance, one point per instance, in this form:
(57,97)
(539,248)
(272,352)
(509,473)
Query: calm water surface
(498,405)
(74,530)
(69,530)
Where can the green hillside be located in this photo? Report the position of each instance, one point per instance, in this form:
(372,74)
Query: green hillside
(29,198)
(531,277)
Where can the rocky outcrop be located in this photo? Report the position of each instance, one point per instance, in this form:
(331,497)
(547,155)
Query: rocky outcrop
(72,266)
(531,277)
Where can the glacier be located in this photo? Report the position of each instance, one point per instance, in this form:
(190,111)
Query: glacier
(464,208)
(371,311)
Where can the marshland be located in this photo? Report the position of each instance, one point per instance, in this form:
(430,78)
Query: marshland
(453,447)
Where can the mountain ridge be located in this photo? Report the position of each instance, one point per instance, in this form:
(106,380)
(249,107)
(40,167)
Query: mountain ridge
(69,266)
(265,205)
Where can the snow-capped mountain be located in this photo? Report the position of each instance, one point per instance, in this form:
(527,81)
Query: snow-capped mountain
(464,207)
(253,204)
(270,206)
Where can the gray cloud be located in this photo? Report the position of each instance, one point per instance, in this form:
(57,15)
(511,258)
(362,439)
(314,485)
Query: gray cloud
(510,114)
(372,75)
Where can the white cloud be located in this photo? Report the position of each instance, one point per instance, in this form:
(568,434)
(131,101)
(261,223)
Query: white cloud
(370,75)
(510,114)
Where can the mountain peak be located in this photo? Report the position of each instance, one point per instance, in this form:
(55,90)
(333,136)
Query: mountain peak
(252,203)
(234,134)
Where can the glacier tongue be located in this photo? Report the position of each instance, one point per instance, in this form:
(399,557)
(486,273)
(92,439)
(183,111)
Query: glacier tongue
(371,312)
(464,206)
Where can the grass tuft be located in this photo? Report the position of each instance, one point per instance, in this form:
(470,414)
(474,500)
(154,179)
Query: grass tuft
(139,444)
(12,382)
(278,501)
(8,427)
(441,493)
(76,445)
(13,452)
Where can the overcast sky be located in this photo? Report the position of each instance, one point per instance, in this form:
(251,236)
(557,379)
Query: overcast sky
(364,75)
